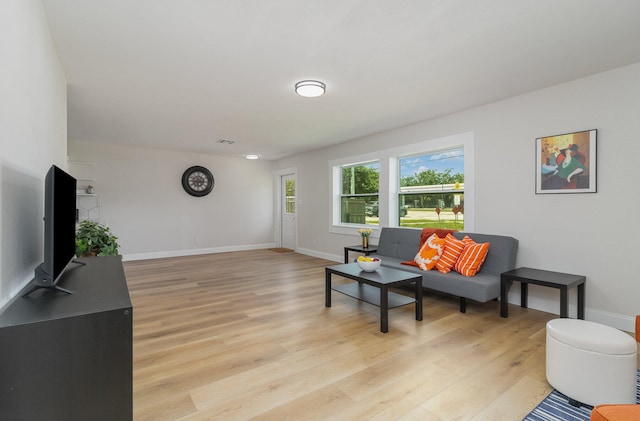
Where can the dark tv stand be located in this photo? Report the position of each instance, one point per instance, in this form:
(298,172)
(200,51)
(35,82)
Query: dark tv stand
(69,357)
(40,281)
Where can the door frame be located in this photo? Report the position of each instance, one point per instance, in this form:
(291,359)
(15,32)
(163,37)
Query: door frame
(277,184)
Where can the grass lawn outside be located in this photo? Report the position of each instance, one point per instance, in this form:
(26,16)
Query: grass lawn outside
(427,218)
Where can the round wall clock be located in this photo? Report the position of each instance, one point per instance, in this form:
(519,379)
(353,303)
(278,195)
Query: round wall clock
(197,181)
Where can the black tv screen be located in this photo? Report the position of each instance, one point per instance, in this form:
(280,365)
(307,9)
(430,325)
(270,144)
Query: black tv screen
(59,227)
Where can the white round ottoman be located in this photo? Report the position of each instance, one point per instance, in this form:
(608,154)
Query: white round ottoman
(591,363)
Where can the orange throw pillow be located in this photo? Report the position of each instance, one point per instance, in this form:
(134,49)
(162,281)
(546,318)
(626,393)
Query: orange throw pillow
(471,258)
(424,235)
(430,252)
(452,249)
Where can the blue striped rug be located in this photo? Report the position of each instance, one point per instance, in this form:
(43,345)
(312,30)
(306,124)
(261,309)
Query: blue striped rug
(556,407)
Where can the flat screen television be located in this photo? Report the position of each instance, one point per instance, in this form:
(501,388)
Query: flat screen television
(59,229)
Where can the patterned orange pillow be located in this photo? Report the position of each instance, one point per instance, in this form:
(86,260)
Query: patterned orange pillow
(430,252)
(452,249)
(471,258)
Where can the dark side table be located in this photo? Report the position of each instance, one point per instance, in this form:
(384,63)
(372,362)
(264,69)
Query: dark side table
(359,249)
(526,276)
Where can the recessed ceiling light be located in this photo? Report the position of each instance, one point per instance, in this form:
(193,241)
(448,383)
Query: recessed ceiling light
(252,156)
(310,88)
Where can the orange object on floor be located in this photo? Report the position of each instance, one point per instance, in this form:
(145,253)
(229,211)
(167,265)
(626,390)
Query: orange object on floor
(618,412)
(615,413)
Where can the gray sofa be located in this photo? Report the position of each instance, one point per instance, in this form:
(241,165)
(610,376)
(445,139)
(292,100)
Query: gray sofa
(397,245)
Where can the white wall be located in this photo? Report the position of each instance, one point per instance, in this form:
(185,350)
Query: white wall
(588,234)
(33,135)
(144,204)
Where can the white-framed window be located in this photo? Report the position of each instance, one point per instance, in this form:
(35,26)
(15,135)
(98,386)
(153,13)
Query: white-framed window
(394,197)
(359,193)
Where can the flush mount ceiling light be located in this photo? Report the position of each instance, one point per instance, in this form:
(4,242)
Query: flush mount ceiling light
(310,88)
(252,156)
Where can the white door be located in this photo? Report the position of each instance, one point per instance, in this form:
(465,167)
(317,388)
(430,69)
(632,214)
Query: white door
(288,211)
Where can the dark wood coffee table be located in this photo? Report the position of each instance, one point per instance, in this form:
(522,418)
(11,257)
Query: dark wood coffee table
(373,288)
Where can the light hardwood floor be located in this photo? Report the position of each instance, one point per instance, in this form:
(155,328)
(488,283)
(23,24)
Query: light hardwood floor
(246,335)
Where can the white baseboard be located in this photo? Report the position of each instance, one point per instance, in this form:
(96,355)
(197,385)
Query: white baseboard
(193,252)
(319,255)
(618,321)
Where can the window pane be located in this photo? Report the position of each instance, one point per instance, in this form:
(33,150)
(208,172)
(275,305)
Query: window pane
(432,210)
(359,195)
(360,179)
(290,196)
(359,209)
(432,190)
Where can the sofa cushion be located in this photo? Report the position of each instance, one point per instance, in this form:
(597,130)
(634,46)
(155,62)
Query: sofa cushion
(481,288)
(402,243)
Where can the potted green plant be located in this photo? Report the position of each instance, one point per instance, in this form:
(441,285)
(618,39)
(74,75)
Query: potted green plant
(94,239)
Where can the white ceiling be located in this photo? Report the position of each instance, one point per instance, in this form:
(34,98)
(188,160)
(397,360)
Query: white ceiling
(183,74)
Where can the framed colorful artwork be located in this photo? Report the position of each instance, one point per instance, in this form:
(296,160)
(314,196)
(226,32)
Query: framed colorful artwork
(566,163)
